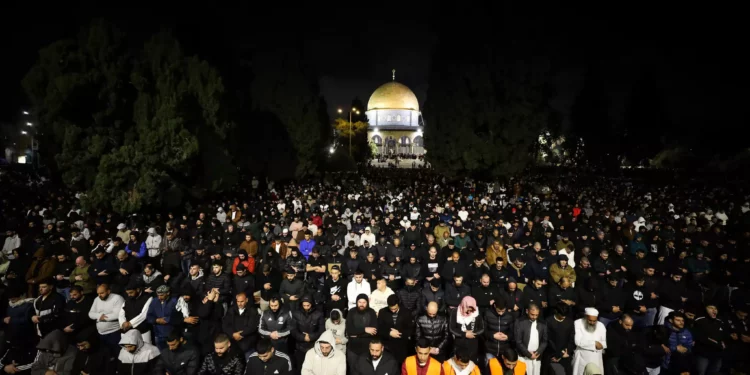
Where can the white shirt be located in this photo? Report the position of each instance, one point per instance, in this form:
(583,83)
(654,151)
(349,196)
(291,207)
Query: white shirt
(534,338)
(376,362)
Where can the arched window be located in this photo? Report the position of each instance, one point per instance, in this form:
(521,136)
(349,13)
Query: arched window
(398,117)
(377,140)
(418,141)
(405,141)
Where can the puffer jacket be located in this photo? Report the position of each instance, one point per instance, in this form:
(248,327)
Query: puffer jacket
(311,322)
(435,330)
(20,313)
(497,323)
(145,359)
(409,297)
(316,363)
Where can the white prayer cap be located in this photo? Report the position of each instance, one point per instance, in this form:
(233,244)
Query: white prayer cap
(590,311)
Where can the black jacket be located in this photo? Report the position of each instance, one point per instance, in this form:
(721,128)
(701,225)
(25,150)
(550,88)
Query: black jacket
(409,297)
(311,322)
(222,282)
(619,341)
(611,297)
(49,310)
(404,324)
(454,294)
(435,330)
(279,364)
(77,314)
(279,321)
(708,334)
(247,322)
(387,365)
(495,323)
(356,322)
(244,284)
(183,361)
(429,296)
(232,364)
(522,333)
(133,307)
(484,295)
(273,278)
(535,296)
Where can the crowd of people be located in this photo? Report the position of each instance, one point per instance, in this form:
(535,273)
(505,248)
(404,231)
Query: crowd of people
(381,272)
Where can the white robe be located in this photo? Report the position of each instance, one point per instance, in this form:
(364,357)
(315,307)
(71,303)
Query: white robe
(585,341)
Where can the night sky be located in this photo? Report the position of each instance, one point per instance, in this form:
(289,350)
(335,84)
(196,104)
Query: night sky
(697,56)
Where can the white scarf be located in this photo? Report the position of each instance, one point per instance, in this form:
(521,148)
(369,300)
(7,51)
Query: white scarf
(466,371)
(464,321)
(182,306)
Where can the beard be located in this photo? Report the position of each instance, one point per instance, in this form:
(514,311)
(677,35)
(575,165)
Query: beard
(375,358)
(590,328)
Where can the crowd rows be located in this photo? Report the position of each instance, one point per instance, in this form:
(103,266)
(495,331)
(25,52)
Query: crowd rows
(379,273)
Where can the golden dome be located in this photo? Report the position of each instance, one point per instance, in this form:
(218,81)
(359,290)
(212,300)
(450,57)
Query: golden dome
(393,95)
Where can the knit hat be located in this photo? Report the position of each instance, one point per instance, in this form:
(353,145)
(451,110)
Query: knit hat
(163,289)
(364,297)
(435,283)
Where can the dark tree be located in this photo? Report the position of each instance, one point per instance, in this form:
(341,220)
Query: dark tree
(132,124)
(285,87)
(487,101)
(590,121)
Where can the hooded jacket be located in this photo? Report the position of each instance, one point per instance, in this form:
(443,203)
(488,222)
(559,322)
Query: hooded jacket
(143,361)
(338,330)
(54,354)
(311,322)
(97,359)
(317,364)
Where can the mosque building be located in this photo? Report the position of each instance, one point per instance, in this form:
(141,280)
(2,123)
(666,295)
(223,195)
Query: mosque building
(395,123)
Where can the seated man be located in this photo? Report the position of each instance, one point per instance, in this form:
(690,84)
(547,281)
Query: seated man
(325,358)
(224,360)
(508,362)
(267,360)
(137,356)
(461,363)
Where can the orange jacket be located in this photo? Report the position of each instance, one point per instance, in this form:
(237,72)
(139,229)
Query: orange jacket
(249,263)
(496,369)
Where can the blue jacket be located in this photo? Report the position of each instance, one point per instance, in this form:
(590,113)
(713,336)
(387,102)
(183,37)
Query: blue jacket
(682,337)
(305,247)
(141,251)
(165,310)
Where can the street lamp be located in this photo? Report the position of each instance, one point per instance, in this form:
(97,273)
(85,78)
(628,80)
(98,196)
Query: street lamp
(355,110)
(29,124)
(24,132)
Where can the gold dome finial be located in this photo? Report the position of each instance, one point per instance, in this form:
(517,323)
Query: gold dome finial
(394,74)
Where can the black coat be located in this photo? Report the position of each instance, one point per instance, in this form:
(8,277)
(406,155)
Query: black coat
(247,322)
(404,324)
(311,322)
(495,323)
(522,333)
(183,361)
(435,330)
(388,365)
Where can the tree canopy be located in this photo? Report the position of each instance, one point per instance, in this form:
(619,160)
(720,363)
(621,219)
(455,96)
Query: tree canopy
(486,106)
(131,125)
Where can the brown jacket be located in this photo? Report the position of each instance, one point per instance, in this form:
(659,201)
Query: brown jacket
(283,248)
(237,215)
(491,254)
(41,268)
(251,247)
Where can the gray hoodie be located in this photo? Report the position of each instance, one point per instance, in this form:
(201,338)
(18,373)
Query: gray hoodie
(338,331)
(318,364)
(54,354)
